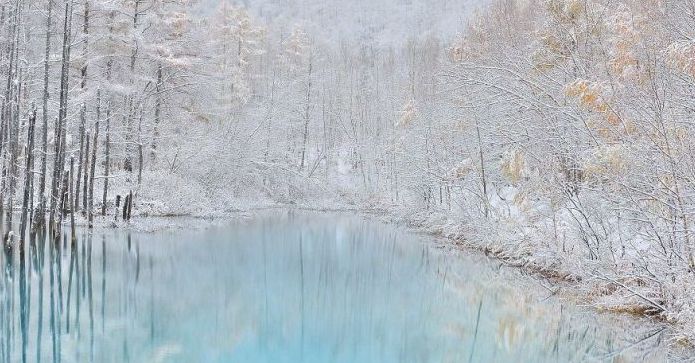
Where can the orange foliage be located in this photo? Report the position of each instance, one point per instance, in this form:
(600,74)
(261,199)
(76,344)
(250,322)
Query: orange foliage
(682,57)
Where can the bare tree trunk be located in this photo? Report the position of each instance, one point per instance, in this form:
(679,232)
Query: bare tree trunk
(84,154)
(90,207)
(40,219)
(157,116)
(85,43)
(85,184)
(130,205)
(118,205)
(140,151)
(9,114)
(107,142)
(63,203)
(54,180)
(72,202)
(271,112)
(129,137)
(107,158)
(28,175)
(126,202)
(307,109)
(62,112)
(482,168)
(24,314)
(81,155)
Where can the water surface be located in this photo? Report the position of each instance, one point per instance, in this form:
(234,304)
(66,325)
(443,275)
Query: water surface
(291,287)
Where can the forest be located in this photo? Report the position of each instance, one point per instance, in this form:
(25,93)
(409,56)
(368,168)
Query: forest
(554,135)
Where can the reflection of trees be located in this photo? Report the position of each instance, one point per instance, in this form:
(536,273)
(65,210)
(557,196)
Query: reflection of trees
(291,285)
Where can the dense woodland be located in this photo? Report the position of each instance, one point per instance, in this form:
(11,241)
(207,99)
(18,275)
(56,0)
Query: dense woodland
(554,134)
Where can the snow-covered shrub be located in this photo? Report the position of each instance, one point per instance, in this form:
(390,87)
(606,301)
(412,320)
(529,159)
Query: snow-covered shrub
(164,193)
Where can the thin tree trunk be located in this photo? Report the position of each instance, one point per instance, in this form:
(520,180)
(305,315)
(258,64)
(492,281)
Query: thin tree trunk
(107,143)
(81,155)
(62,112)
(23,291)
(307,109)
(157,116)
(107,158)
(28,176)
(84,155)
(129,137)
(130,205)
(126,202)
(482,167)
(10,115)
(85,43)
(40,219)
(85,184)
(72,201)
(90,207)
(118,206)
(140,151)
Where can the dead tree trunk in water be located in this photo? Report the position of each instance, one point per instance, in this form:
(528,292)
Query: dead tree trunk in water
(63,202)
(62,113)
(55,181)
(24,317)
(28,176)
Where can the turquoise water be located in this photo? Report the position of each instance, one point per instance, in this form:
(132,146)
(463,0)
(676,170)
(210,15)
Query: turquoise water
(292,287)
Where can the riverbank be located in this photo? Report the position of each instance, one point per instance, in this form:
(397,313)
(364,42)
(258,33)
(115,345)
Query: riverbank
(565,278)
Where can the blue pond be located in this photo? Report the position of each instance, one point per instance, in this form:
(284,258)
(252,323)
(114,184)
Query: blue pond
(292,287)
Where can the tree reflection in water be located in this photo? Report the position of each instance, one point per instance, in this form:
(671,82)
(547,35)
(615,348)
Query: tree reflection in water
(287,287)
